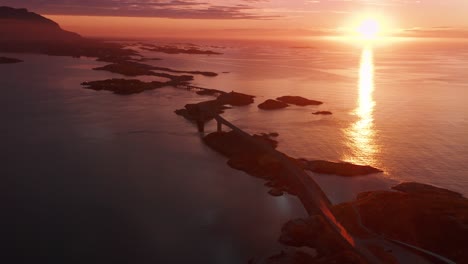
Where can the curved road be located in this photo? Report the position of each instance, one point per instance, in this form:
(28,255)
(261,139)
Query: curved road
(400,249)
(316,202)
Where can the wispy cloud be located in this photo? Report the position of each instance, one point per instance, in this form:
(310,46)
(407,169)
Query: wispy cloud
(305,13)
(195,9)
(439,32)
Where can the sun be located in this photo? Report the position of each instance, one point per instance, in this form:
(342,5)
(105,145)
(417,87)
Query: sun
(369,28)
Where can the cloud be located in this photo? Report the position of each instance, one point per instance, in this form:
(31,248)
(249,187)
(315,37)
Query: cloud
(436,32)
(194,9)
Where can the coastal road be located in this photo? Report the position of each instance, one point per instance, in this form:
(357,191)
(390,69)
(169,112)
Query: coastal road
(316,202)
(399,249)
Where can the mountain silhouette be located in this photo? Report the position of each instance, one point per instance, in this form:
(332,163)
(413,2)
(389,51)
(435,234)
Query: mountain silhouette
(23,31)
(24,15)
(20,25)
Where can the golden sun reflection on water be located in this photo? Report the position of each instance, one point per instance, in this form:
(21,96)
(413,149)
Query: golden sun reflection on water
(361,134)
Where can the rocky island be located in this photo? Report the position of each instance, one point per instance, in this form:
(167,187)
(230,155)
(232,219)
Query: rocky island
(298,100)
(272,105)
(338,168)
(131,68)
(205,111)
(236,99)
(123,86)
(322,113)
(168,49)
(285,101)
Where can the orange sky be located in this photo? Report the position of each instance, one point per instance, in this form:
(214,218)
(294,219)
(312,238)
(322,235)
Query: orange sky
(145,27)
(248,18)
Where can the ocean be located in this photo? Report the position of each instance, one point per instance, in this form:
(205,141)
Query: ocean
(399,106)
(107,173)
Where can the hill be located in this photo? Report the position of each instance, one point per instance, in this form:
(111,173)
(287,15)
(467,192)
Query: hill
(28,32)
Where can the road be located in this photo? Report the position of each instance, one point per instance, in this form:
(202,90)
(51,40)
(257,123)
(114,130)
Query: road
(316,202)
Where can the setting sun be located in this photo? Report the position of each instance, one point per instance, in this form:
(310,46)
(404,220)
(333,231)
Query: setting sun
(374,27)
(369,28)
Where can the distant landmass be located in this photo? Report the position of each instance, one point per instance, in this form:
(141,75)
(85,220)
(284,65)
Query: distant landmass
(20,25)
(23,31)
(27,32)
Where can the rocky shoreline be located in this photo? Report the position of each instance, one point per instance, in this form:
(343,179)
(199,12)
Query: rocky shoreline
(123,86)
(298,100)
(131,68)
(338,168)
(172,49)
(428,217)
(286,101)
(272,105)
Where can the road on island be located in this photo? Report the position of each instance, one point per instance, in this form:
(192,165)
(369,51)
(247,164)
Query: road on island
(316,202)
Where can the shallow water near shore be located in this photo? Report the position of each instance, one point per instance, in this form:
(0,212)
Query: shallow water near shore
(103,172)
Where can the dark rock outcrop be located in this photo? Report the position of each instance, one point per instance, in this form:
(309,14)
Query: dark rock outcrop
(5,60)
(231,144)
(212,92)
(338,168)
(123,86)
(202,112)
(275,192)
(178,50)
(418,214)
(245,154)
(272,105)
(236,99)
(127,68)
(323,113)
(298,100)
(314,233)
(206,111)
(131,68)
(415,188)
(204,73)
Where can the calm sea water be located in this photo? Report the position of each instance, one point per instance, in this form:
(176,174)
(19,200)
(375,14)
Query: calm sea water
(91,173)
(400,106)
(91,177)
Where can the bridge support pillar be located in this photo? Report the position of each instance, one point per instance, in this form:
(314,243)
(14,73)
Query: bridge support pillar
(220,126)
(200,125)
(201,122)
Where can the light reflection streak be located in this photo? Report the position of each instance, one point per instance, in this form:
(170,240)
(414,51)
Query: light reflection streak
(361,134)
